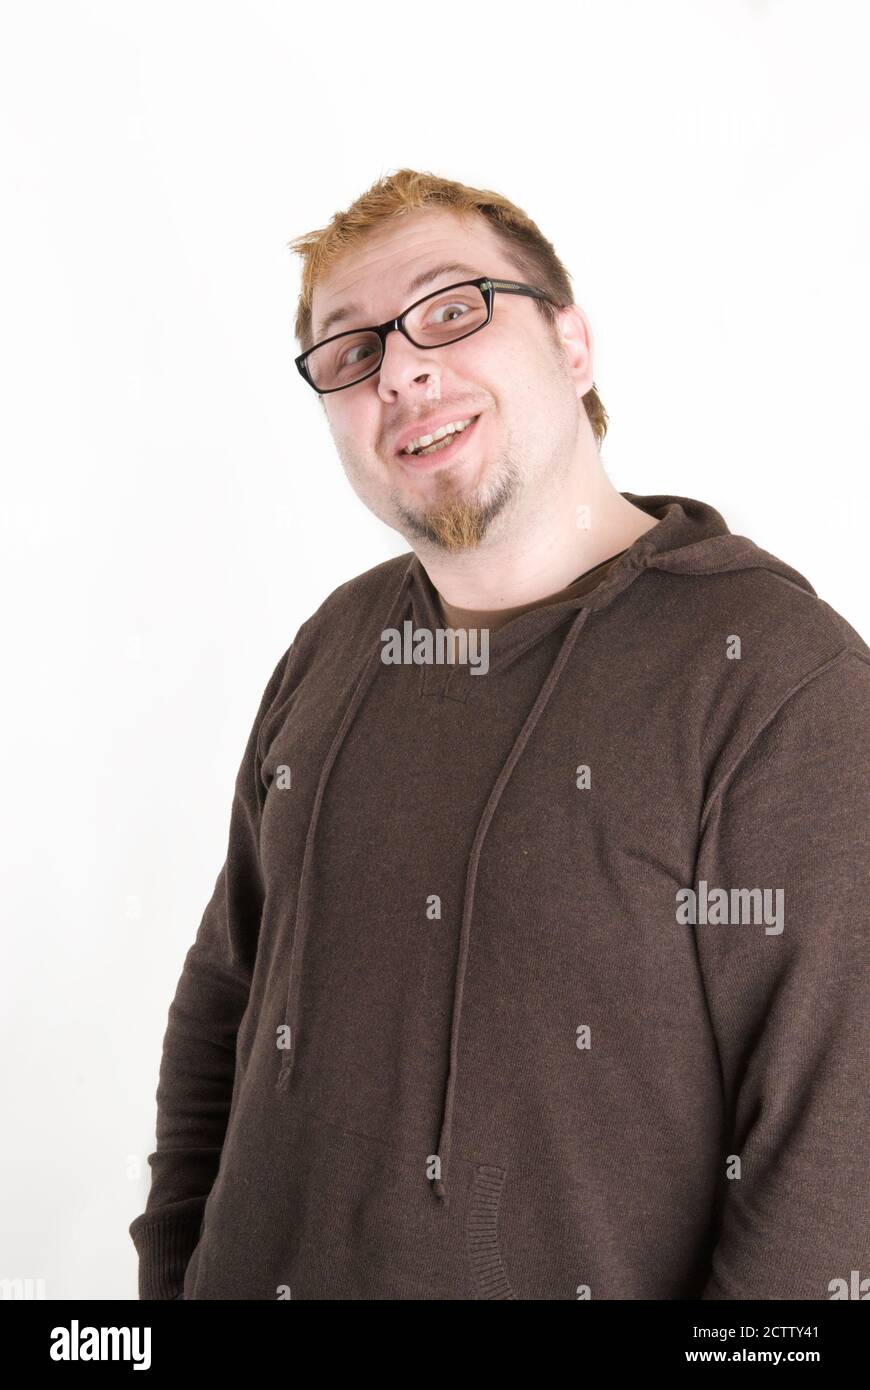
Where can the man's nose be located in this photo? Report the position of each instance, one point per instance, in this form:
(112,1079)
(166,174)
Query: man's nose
(404,364)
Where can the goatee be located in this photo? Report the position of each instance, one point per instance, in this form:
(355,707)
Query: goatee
(458,523)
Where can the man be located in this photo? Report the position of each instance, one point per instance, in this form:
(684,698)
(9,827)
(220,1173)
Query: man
(537,968)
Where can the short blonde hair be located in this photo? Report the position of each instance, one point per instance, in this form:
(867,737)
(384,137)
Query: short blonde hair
(407,190)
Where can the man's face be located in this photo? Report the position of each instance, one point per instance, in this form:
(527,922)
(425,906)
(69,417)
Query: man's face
(511,374)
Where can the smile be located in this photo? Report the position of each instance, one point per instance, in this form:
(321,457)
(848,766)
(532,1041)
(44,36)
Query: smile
(441,450)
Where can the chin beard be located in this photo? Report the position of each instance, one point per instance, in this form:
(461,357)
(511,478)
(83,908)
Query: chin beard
(457,523)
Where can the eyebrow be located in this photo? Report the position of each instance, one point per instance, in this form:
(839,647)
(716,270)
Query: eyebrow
(424,278)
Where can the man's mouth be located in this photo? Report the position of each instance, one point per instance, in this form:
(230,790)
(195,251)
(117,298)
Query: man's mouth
(448,442)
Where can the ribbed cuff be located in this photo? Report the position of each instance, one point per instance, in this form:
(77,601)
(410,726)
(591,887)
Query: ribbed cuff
(165,1245)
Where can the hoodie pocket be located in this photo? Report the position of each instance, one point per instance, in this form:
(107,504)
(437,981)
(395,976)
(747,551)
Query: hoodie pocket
(485,1260)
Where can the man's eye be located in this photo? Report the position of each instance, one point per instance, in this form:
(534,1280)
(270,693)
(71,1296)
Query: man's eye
(347,358)
(449,309)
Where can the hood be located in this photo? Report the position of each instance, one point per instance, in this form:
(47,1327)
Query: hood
(691,538)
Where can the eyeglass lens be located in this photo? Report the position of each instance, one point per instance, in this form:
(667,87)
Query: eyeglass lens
(442,318)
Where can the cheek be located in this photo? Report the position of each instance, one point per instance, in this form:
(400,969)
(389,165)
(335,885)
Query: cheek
(362,461)
(352,440)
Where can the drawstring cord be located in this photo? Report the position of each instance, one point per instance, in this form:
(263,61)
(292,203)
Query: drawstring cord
(369,670)
(445,1138)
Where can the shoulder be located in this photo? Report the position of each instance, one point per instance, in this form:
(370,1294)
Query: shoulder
(757,606)
(365,598)
(337,636)
(746,639)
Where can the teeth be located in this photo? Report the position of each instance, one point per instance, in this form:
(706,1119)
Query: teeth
(454,427)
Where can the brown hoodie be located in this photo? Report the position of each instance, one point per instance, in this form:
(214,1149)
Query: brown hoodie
(543,982)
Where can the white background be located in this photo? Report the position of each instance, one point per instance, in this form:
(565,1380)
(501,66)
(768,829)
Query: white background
(172,507)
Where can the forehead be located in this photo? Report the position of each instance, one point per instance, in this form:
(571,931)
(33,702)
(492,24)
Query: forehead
(385,272)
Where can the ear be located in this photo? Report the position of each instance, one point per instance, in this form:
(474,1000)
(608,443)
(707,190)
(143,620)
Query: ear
(574,333)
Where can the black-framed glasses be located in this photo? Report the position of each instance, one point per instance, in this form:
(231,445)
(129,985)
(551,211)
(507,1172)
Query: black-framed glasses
(356,354)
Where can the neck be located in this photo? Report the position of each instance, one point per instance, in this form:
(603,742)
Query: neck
(583,522)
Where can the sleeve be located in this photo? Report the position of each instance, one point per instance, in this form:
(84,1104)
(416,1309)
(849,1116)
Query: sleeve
(197,1067)
(790,999)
